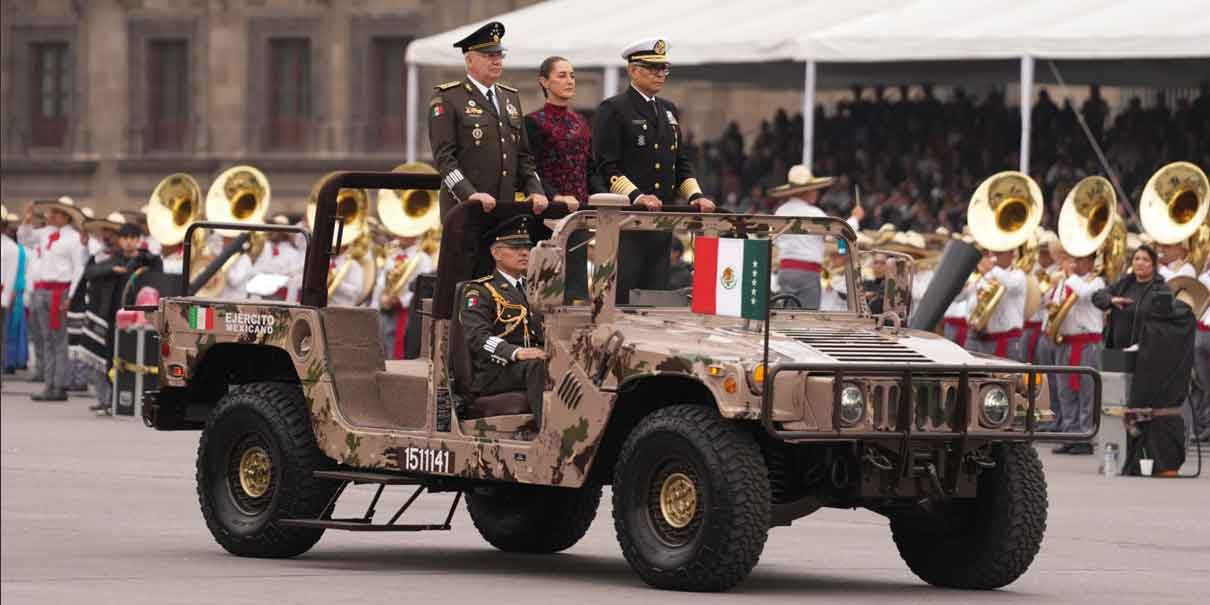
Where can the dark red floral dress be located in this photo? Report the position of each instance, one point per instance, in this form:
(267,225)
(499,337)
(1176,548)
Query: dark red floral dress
(561,141)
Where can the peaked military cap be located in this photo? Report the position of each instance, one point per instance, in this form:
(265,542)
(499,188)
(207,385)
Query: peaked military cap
(651,50)
(486,39)
(513,232)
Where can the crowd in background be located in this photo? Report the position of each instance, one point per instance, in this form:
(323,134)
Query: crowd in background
(916,158)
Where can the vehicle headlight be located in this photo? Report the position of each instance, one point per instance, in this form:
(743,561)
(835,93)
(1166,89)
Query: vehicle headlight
(852,404)
(997,406)
(756,378)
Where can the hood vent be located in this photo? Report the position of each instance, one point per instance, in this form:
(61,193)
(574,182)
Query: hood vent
(855,346)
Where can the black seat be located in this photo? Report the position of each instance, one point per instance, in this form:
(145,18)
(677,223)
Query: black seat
(460,369)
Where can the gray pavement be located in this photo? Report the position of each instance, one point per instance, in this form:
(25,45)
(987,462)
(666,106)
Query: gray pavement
(103,510)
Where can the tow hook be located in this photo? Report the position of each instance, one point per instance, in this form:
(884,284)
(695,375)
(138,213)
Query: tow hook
(979,459)
(938,495)
(878,460)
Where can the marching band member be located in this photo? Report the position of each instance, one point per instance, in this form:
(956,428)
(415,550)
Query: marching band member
(394,303)
(1033,340)
(800,256)
(1081,346)
(1199,400)
(10,256)
(1001,336)
(58,244)
(834,294)
(1173,261)
(345,268)
(278,266)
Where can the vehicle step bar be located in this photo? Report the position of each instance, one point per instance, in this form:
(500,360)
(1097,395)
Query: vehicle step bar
(366,521)
(362,477)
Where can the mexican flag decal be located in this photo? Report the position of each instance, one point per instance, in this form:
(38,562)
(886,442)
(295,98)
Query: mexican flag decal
(201,318)
(731,277)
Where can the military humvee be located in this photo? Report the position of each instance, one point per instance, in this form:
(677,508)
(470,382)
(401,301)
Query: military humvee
(711,430)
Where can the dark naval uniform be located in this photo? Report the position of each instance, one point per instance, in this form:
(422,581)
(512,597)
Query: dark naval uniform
(477,147)
(638,150)
(496,322)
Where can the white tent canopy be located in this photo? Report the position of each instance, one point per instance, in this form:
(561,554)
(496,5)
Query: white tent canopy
(592,33)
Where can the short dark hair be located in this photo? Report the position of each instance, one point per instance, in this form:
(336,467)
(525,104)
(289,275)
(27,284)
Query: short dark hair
(129,230)
(1155,258)
(548,65)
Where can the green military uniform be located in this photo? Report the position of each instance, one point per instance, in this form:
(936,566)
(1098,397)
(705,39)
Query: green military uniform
(496,322)
(480,146)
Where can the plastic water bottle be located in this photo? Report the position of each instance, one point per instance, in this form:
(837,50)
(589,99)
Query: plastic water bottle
(1111,460)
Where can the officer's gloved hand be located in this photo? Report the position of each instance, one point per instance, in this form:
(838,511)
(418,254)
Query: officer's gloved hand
(650,201)
(540,203)
(485,199)
(703,204)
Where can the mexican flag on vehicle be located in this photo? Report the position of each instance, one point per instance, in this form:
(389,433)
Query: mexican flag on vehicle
(731,277)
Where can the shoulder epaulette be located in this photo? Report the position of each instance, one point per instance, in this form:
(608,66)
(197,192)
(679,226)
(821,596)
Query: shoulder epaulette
(484,279)
(506,87)
(447,85)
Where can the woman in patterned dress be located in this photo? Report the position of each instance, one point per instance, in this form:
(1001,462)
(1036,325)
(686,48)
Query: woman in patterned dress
(561,142)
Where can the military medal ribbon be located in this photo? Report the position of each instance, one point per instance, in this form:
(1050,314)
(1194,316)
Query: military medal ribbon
(731,277)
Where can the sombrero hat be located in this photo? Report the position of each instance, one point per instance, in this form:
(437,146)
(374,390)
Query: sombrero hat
(113,222)
(64,204)
(908,242)
(800,180)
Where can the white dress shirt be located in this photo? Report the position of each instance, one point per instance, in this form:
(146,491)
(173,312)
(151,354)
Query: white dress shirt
(10,255)
(423,265)
(1084,318)
(806,248)
(960,307)
(1010,313)
(1176,269)
(348,291)
(920,285)
(495,96)
(834,299)
(61,260)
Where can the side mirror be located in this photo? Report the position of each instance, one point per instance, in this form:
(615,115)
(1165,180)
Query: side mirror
(897,289)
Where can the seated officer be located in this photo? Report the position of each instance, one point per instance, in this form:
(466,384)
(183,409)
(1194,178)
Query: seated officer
(503,336)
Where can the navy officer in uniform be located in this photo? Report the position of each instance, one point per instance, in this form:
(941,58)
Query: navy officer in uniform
(477,131)
(639,152)
(504,337)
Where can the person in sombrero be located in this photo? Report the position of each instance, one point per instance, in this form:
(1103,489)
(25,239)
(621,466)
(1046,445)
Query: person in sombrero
(801,256)
(60,265)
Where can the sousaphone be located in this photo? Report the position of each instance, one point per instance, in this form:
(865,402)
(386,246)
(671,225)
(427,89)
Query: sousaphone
(1003,213)
(352,207)
(240,194)
(174,205)
(1089,223)
(1193,292)
(1175,202)
(410,212)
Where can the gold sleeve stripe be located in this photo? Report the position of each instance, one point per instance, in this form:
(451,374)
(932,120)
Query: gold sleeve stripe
(689,187)
(621,185)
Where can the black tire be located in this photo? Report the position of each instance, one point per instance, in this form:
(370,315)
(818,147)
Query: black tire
(711,539)
(986,543)
(531,518)
(273,418)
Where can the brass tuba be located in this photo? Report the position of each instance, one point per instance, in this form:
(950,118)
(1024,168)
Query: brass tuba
(1088,223)
(240,194)
(1003,213)
(1174,207)
(352,207)
(174,205)
(410,212)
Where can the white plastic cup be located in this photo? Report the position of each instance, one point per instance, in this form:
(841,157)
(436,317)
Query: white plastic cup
(1146,465)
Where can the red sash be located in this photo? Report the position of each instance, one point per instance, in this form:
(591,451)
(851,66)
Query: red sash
(801,265)
(57,289)
(1077,342)
(1002,339)
(401,326)
(961,326)
(1201,327)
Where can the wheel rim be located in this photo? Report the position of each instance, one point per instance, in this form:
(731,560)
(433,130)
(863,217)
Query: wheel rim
(672,503)
(678,500)
(250,475)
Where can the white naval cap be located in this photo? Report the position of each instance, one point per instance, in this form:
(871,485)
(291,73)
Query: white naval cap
(650,50)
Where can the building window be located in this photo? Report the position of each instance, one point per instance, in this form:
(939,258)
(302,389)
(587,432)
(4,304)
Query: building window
(50,92)
(387,83)
(168,94)
(289,93)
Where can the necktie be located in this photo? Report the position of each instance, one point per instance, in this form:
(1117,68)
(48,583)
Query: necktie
(50,241)
(521,289)
(492,99)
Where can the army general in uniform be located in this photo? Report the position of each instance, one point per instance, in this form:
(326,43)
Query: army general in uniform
(503,335)
(477,131)
(639,153)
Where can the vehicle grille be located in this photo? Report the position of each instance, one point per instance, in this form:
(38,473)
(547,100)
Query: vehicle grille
(936,405)
(855,346)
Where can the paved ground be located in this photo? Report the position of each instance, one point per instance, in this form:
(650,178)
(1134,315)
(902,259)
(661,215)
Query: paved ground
(104,511)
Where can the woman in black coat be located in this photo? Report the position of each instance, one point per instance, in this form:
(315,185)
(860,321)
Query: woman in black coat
(1141,312)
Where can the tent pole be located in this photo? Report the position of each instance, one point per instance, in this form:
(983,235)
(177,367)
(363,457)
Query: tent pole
(808,114)
(609,84)
(412,102)
(1027,95)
